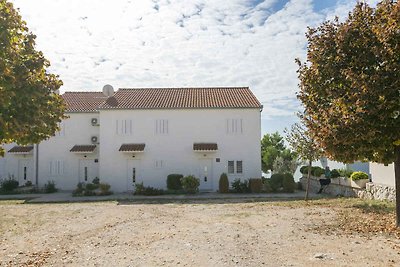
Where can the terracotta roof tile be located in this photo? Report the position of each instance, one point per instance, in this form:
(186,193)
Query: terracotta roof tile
(21,149)
(83,148)
(205,146)
(181,98)
(132,147)
(83,101)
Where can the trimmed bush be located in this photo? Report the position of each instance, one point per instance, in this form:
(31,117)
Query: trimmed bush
(79,189)
(9,184)
(223,183)
(335,173)
(288,183)
(317,171)
(345,173)
(50,187)
(276,182)
(28,183)
(91,187)
(190,184)
(359,176)
(304,169)
(240,187)
(174,182)
(255,185)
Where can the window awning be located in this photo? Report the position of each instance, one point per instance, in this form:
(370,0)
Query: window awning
(21,150)
(205,147)
(132,148)
(83,148)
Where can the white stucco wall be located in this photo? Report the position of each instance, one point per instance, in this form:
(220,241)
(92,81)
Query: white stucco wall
(76,130)
(175,149)
(11,165)
(381,174)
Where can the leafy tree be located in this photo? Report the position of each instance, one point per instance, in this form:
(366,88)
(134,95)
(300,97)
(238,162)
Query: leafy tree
(350,84)
(304,145)
(272,147)
(30,110)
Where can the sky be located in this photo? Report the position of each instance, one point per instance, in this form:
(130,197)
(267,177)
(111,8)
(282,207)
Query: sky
(187,43)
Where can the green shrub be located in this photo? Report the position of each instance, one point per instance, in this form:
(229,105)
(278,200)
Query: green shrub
(28,183)
(9,184)
(288,183)
(190,184)
(276,182)
(174,181)
(96,180)
(223,183)
(317,171)
(345,173)
(79,189)
(255,185)
(50,187)
(304,169)
(267,185)
(104,189)
(91,187)
(335,173)
(140,189)
(240,187)
(359,176)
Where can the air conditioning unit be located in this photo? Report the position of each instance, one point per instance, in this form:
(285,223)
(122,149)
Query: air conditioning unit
(94,139)
(94,121)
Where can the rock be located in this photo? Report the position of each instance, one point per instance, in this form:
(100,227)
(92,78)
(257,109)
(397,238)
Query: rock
(320,256)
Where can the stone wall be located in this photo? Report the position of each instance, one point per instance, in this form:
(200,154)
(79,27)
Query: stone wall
(372,191)
(332,189)
(379,192)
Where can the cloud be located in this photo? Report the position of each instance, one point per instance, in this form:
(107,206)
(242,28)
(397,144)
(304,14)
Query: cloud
(178,43)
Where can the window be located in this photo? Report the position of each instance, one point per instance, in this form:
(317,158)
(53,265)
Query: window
(158,164)
(231,166)
(86,173)
(123,127)
(234,126)
(239,166)
(56,167)
(133,175)
(24,172)
(161,126)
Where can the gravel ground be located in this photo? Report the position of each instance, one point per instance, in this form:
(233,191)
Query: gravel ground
(199,233)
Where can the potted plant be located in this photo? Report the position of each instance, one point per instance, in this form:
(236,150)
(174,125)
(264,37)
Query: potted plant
(359,179)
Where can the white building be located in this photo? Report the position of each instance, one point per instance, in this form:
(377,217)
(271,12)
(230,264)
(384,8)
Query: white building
(142,135)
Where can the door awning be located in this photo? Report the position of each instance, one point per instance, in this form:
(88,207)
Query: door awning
(21,150)
(205,147)
(83,148)
(132,148)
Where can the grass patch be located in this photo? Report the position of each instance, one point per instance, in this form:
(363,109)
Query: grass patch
(12,202)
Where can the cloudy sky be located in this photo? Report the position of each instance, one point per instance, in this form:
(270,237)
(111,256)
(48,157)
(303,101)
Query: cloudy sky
(186,43)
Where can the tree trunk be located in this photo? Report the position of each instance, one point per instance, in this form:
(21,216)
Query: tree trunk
(308,180)
(397,182)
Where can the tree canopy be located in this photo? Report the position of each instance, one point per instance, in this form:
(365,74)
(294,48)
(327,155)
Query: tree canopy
(272,147)
(30,108)
(350,86)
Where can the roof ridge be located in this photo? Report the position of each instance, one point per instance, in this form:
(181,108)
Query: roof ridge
(83,92)
(166,88)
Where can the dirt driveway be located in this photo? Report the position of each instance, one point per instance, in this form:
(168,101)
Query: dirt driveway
(202,233)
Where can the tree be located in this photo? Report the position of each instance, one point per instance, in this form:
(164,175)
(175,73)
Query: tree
(30,109)
(350,83)
(272,147)
(305,146)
